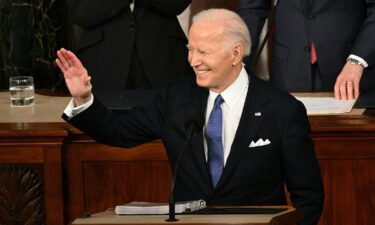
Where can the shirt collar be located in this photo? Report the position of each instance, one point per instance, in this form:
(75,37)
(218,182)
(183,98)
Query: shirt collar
(233,92)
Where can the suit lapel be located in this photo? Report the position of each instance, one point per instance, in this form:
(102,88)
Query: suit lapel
(198,101)
(248,126)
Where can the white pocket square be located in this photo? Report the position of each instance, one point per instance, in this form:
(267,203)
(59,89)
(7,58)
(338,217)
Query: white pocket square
(259,142)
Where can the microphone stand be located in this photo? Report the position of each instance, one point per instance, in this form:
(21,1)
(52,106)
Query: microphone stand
(172,213)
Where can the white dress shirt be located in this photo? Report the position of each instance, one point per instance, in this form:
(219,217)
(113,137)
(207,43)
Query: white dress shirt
(71,110)
(361,60)
(234,100)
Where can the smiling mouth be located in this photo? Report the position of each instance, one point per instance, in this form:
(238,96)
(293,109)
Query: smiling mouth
(201,71)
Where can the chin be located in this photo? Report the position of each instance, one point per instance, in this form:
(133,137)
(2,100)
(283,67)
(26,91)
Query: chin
(201,83)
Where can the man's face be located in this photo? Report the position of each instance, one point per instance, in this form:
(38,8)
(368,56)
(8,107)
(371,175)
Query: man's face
(210,58)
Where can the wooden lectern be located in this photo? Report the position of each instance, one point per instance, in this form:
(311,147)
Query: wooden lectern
(288,217)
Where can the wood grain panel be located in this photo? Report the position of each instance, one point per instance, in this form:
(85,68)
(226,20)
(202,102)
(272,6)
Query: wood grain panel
(350,191)
(21,154)
(113,183)
(35,145)
(21,194)
(99,177)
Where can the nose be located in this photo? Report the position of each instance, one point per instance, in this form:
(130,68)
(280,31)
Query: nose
(194,59)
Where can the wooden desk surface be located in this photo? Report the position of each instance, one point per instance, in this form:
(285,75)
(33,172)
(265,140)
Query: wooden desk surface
(48,109)
(110,218)
(45,109)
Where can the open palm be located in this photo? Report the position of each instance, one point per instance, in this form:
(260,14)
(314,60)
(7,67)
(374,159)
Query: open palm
(76,77)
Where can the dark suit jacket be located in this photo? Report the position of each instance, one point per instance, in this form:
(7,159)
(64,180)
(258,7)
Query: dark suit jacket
(252,176)
(111,34)
(338,28)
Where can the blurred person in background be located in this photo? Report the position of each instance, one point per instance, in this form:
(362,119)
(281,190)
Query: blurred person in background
(318,45)
(131,44)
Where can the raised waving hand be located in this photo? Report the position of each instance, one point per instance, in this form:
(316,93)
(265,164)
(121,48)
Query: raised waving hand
(76,77)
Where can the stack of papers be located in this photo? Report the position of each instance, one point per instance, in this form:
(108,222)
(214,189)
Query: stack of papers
(136,208)
(326,105)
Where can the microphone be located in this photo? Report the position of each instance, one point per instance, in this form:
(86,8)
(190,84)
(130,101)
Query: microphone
(193,124)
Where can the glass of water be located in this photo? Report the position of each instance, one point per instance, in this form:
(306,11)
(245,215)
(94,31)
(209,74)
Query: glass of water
(21,90)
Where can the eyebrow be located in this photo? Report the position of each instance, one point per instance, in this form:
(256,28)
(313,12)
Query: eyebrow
(199,49)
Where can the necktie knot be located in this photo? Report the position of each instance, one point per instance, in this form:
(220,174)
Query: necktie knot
(218,100)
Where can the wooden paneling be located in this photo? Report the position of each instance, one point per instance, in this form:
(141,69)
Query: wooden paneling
(30,163)
(350,191)
(99,177)
(345,147)
(21,194)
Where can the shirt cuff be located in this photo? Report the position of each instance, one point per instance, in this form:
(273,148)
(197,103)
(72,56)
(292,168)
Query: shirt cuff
(72,111)
(362,61)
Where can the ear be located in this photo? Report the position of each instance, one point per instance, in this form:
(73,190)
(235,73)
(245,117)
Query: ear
(237,54)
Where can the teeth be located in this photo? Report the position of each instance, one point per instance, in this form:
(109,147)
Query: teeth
(202,71)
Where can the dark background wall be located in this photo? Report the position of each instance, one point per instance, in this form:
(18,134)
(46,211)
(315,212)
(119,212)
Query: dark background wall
(198,5)
(30,33)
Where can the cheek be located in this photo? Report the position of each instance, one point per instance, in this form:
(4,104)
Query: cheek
(201,82)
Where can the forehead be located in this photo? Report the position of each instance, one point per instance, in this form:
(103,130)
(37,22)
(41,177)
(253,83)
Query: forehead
(207,34)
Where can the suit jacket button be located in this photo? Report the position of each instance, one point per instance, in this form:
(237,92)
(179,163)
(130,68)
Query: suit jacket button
(311,16)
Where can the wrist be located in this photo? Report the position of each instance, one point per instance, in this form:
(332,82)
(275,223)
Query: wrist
(81,100)
(355,62)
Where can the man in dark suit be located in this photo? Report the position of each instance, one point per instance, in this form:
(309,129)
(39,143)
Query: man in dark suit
(129,44)
(260,143)
(318,45)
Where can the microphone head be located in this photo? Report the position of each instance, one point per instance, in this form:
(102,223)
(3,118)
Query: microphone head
(194,121)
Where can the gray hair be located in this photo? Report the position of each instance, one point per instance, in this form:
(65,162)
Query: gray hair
(235,28)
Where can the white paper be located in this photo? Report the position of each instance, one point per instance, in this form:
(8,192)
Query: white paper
(134,208)
(326,105)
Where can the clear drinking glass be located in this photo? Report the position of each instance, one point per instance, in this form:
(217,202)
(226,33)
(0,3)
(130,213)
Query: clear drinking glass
(21,90)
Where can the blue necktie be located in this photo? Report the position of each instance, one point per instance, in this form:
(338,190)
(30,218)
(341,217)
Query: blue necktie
(214,141)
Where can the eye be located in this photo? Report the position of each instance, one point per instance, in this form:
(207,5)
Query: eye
(197,51)
(202,52)
(190,49)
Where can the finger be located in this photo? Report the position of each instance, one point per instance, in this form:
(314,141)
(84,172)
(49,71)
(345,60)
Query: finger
(63,60)
(87,80)
(337,90)
(73,60)
(343,91)
(349,90)
(356,90)
(60,65)
(340,90)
